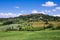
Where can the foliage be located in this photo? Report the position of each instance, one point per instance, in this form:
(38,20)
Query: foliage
(58,27)
(25,25)
(8,22)
(34,17)
(11,29)
(50,26)
(20,28)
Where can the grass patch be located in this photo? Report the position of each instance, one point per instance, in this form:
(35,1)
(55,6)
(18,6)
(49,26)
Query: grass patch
(29,35)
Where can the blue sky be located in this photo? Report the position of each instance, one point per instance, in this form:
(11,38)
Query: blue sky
(13,8)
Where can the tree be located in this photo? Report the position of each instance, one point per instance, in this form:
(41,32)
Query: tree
(7,23)
(46,22)
(19,27)
(50,26)
(58,27)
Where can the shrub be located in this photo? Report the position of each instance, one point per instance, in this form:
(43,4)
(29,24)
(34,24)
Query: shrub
(11,29)
(53,28)
(50,26)
(58,27)
(38,28)
(27,28)
(7,22)
(20,28)
(8,29)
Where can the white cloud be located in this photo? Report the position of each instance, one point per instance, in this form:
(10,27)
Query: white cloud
(17,7)
(7,15)
(49,4)
(42,12)
(58,8)
(35,11)
(22,11)
(54,10)
(47,11)
(57,15)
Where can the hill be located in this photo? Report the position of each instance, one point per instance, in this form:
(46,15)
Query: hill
(36,21)
(37,17)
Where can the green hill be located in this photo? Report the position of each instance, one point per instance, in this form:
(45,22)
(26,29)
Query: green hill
(36,21)
(32,17)
(38,17)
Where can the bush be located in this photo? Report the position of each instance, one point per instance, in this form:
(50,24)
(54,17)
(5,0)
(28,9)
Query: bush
(11,29)
(7,23)
(8,29)
(20,28)
(38,28)
(50,26)
(58,27)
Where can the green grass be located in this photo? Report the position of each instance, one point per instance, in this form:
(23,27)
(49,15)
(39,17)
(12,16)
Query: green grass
(30,35)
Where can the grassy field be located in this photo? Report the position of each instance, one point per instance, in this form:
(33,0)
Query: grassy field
(30,35)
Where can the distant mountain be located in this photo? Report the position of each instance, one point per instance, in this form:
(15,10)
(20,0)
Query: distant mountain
(32,17)
(38,16)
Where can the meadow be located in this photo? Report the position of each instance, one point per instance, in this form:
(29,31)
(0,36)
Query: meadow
(30,35)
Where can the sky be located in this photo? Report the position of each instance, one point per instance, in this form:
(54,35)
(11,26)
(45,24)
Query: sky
(14,8)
